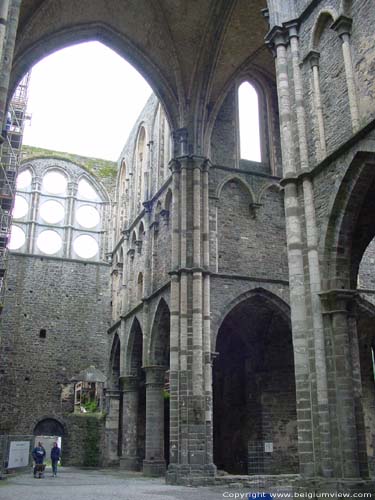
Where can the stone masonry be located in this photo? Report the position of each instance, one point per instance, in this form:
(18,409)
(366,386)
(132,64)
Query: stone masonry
(241,336)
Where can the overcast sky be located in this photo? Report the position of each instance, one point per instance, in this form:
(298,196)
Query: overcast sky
(84,99)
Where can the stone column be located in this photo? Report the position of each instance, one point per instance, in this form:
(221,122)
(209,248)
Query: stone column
(190,369)
(343,26)
(4,8)
(293,215)
(7,54)
(112,425)
(34,202)
(313,58)
(313,261)
(130,392)
(175,317)
(126,277)
(69,210)
(357,388)
(336,304)
(154,462)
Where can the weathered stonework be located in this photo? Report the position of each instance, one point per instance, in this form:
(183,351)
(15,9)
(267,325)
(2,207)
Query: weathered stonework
(242,292)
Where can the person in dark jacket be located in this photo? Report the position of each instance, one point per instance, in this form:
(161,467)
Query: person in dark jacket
(38,455)
(55,456)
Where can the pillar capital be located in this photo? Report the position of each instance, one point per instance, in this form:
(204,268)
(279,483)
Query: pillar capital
(129,383)
(277,36)
(313,58)
(343,25)
(338,300)
(292,27)
(155,374)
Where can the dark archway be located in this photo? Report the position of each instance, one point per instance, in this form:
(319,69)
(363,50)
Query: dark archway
(255,422)
(159,357)
(114,384)
(136,399)
(49,427)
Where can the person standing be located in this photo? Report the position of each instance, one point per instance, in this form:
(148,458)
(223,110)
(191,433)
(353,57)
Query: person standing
(55,457)
(38,455)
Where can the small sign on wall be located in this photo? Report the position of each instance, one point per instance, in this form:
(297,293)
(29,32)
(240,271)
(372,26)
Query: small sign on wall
(268,447)
(19,453)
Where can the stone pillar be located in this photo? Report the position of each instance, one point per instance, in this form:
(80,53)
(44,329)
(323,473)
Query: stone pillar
(112,425)
(313,58)
(313,261)
(357,388)
(4,8)
(35,198)
(130,391)
(293,215)
(126,277)
(72,191)
(343,26)
(190,368)
(7,53)
(154,462)
(174,436)
(336,304)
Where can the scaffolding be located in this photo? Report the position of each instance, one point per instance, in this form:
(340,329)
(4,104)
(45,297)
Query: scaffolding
(10,159)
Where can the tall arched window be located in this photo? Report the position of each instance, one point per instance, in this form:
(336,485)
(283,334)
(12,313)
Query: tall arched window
(248,107)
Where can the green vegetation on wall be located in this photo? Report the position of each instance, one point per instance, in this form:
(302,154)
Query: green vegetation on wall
(100,168)
(91,457)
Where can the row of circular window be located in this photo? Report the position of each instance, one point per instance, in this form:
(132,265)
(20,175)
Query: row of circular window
(53,211)
(50,242)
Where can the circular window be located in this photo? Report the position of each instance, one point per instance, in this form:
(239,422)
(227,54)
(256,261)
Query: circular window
(85,246)
(17,238)
(24,179)
(21,207)
(49,242)
(55,183)
(52,211)
(85,190)
(87,216)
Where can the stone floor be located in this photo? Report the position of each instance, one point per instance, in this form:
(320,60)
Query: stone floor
(106,484)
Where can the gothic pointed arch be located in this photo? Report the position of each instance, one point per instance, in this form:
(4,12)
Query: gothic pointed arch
(115,362)
(254,387)
(134,350)
(160,333)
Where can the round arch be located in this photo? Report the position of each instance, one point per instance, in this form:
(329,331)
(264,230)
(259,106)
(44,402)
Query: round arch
(49,426)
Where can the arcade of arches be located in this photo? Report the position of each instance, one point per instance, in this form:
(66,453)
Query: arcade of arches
(237,333)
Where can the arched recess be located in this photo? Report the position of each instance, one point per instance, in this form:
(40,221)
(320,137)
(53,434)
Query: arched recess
(254,388)
(159,357)
(114,363)
(332,80)
(235,225)
(140,177)
(140,287)
(122,192)
(134,400)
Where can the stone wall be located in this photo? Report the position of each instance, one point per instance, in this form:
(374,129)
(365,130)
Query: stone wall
(54,325)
